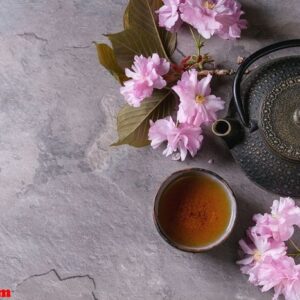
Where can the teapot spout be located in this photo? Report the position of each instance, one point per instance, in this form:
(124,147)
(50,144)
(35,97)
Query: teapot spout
(230,130)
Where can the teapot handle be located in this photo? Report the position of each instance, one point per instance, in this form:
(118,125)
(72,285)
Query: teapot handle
(245,65)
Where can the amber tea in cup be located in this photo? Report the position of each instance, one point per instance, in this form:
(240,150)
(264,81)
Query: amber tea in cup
(195,210)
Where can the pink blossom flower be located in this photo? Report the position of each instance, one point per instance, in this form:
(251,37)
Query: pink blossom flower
(197,105)
(169,15)
(201,15)
(160,130)
(281,274)
(287,209)
(260,248)
(266,261)
(183,138)
(290,286)
(146,75)
(269,275)
(231,21)
(279,224)
(278,272)
(210,17)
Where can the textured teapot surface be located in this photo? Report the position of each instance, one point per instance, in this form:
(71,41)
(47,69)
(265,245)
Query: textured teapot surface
(270,155)
(279,119)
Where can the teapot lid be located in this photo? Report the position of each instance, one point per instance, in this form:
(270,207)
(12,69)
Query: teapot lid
(280,118)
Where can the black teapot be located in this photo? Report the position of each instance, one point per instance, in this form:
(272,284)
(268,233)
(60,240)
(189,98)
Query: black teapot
(263,126)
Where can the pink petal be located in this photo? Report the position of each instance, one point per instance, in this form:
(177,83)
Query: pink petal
(204,86)
(245,261)
(183,138)
(244,246)
(169,16)
(146,75)
(159,131)
(188,88)
(222,19)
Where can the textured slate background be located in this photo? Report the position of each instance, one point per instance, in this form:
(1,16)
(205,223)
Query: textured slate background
(76,215)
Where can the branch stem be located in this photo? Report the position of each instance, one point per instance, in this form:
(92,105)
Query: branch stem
(197,41)
(217,72)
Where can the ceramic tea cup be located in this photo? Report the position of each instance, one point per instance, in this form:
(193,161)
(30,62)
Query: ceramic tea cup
(194,210)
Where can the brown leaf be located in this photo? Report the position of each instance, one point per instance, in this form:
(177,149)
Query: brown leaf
(108,60)
(141,35)
(133,123)
(126,18)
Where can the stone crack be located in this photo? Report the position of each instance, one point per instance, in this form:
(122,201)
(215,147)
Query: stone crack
(60,279)
(81,47)
(28,35)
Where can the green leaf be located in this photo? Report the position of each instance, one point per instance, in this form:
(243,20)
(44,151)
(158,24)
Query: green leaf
(141,34)
(108,60)
(133,123)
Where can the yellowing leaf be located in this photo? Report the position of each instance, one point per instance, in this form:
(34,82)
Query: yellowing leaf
(108,60)
(141,34)
(133,123)
(134,13)
(126,18)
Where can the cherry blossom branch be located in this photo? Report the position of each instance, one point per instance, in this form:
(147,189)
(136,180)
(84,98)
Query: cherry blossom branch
(217,72)
(198,43)
(223,72)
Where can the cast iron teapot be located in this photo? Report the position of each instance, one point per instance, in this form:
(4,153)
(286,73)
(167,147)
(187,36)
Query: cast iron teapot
(263,126)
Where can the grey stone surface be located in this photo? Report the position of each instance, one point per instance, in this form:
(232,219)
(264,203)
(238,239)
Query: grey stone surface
(76,214)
